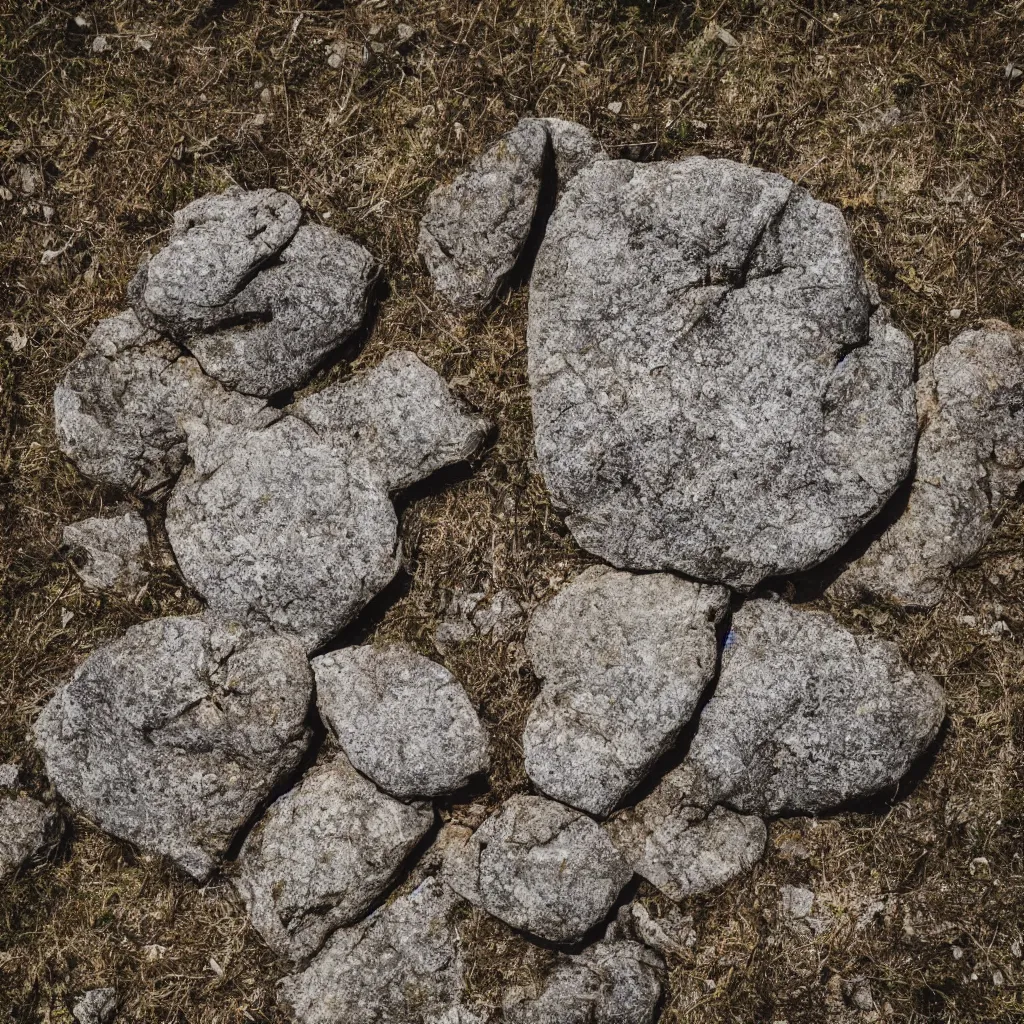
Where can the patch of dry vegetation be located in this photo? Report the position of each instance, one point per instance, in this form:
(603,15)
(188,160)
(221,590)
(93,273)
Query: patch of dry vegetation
(900,112)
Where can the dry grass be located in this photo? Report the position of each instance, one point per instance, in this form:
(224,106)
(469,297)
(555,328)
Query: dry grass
(899,112)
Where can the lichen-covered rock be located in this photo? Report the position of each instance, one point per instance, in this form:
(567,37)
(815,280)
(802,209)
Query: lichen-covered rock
(402,965)
(26,826)
(616,982)
(539,866)
(474,229)
(573,149)
(711,392)
(323,854)
(402,719)
(291,526)
(96,1007)
(970,460)
(115,549)
(173,735)
(624,659)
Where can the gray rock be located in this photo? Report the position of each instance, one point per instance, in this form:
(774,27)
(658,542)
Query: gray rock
(711,393)
(402,719)
(474,229)
(573,148)
(795,909)
(26,826)
(671,933)
(857,993)
(323,854)
(115,549)
(96,1007)
(539,866)
(174,735)
(291,526)
(474,613)
(970,461)
(402,965)
(624,660)
(615,982)
(9,776)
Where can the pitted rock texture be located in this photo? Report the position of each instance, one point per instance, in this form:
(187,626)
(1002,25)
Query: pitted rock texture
(114,549)
(970,461)
(26,827)
(172,736)
(624,660)
(573,149)
(402,965)
(292,526)
(539,866)
(96,1007)
(711,392)
(402,719)
(617,982)
(323,854)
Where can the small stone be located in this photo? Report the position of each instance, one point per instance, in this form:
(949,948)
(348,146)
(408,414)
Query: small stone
(96,1007)
(26,827)
(173,735)
(473,613)
(335,60)
(9,776)
(670,934)
(17,340)
(615,106)
(115,548)
(323,854)
(402,719)
(539,866)
(404,32)
(795,903)
(100,44)
(857,992)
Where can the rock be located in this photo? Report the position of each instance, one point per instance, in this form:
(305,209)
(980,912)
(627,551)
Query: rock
(573,147)
(291,526)
(624,660)
(711,392)
(402,719)
(473,613)
(96,1007)
(795,908)
(115,548)
(857,992)
(26,826)
(402,965)
(474,229)
(9,776)
(670,934)
(541,867)
(323,854)
(970,461)
(609,983)
(173,736)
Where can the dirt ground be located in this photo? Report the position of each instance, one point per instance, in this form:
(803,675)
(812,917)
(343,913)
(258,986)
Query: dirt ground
(908,115)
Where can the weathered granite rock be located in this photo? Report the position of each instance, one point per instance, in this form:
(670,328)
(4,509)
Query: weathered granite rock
(115,549)
(26,826)
(970,460)
(615,982)
(175,734)
(323,854)
(402,719)
(402,965)
(625,660)
(96,1007)
(711,392)
(9,776)
(573,149)
(539,866)
(292,526)
(474,229)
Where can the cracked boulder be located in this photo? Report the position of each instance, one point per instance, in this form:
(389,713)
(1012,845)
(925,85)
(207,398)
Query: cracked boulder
(541,867)
(624,660)
(713,391)
(323,854)
(403,720)
(114,550)
(573,149)
(292,526)
(970,462)
(175,734)
(26,827)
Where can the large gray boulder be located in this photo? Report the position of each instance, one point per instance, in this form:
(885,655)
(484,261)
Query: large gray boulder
(402,719)
(539,866)
(323,854)
(174,735)
(114,549)
(624,660)
(712,391)
(26,827)
(970,461)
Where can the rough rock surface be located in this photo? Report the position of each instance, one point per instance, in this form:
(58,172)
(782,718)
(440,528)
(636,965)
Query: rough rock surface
(474,613)
(711,392)
(625,660)
(173,735)
(96,1007)
(292,526)
(26,826)
(615,982)
(539,866)
(573,149)
(475,228)
(670,933)
(9,776)
(323,853)
(402,719)
(115,549)
(402,965)
(970,460)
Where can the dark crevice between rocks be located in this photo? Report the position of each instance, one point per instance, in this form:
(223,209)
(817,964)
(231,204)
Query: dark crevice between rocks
(365,624)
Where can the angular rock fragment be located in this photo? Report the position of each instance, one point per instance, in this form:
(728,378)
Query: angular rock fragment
(712,391)
(402,719)
(172,736)
(970,460)
(97,1006)
(26,826)
(624,660)
(322,855)
(573,149)
(539,866)
(115,549)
